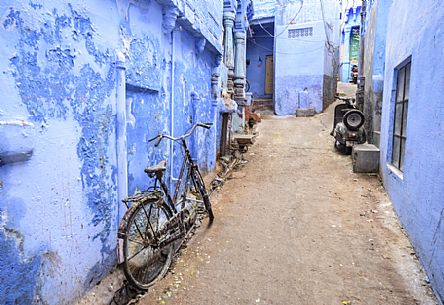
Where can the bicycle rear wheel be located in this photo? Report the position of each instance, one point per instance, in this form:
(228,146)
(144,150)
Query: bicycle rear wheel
(145,260)
(200,186)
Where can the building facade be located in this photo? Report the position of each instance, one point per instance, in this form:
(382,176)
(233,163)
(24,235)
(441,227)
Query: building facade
(350,37)
(404,83)
(305,53)
(85,85)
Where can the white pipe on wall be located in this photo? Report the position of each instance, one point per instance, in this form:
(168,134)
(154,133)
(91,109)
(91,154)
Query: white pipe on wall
(121,149)
(171,157)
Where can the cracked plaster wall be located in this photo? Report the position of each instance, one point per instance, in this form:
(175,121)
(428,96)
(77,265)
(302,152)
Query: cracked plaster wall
(59,211)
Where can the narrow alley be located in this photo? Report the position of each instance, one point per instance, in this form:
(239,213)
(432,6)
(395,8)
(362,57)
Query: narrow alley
(296,226)
(313,130)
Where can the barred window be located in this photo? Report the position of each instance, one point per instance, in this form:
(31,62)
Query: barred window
(303,32)
(400,116)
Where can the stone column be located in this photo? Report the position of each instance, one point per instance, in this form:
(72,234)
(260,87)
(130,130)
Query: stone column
(229,48)
(240,66)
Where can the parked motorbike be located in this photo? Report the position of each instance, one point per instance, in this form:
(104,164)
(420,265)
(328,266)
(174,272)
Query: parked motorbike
(354,75)
(348,126)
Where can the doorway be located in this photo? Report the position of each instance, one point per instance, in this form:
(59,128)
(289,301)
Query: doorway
(269,74)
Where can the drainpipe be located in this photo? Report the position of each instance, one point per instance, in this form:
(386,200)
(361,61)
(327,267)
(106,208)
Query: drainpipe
(121,152)
(171,158)
(170,14)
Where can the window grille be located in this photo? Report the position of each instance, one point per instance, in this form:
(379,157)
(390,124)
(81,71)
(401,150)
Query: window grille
(400,115)
(303,32)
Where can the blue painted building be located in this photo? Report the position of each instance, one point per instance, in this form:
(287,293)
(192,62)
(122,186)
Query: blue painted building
(350,35)
(305,37)
(84,86)
(404,85)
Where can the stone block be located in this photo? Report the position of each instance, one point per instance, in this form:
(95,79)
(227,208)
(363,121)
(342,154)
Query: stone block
(365,158)
(305,112)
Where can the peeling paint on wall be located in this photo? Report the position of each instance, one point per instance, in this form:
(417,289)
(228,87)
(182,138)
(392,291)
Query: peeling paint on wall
(50,89)
(60,93)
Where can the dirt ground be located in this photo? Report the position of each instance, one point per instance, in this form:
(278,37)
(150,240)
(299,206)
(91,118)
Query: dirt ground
(297,226)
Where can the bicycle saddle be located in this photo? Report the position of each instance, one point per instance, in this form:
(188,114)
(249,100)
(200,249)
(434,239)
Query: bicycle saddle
(159,167)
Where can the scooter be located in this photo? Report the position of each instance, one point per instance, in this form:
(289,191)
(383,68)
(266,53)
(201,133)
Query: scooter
(348,126)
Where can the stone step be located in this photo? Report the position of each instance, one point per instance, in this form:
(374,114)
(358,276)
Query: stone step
(263,104)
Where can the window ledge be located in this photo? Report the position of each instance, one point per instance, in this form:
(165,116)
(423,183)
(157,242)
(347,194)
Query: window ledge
(399,174)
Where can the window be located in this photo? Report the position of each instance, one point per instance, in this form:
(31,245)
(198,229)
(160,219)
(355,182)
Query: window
(304,32)
(400,117)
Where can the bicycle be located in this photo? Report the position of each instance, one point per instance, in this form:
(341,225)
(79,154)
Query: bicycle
(156,221)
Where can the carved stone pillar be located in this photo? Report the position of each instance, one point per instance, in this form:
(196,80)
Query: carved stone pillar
(229,48)
(240,66)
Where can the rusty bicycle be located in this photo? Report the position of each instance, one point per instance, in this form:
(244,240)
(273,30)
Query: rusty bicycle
(156,221)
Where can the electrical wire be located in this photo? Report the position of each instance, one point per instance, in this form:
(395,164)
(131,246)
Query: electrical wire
(302,40)
(286,27)
(284,53)
(331,48)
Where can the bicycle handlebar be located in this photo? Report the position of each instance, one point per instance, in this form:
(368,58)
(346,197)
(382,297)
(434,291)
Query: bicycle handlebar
(161,136)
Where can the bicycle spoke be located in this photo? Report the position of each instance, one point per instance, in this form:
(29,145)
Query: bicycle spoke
(152,230)
(148,222)
(132,256)
(148,215)
(140,232)
(157,222)
(134,241)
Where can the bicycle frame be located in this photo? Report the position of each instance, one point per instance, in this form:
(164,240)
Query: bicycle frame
(176,216)
(188,165)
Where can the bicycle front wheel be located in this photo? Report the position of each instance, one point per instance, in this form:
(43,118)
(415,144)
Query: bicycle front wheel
(200,186)
(146,260)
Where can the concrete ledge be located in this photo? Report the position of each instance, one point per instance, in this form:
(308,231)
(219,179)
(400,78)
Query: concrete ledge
(365,158)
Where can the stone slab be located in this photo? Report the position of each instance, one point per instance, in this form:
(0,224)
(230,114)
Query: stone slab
(365,158)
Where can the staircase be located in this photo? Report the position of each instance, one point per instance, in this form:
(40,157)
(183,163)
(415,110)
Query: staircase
(263,105)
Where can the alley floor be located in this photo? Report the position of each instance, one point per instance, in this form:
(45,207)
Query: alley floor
(296,226)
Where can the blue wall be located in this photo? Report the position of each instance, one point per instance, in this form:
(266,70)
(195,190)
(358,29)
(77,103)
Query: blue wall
(258,48)
(418,192)
(305,76)
(59,211)
(299,70)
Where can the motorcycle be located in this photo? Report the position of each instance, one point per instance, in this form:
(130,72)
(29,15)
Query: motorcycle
(354,75)
(348,126)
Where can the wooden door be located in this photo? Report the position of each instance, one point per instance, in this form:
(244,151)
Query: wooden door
(269,74)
